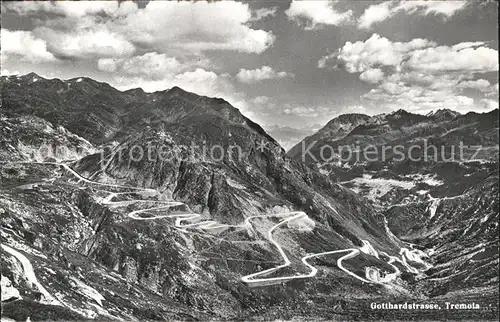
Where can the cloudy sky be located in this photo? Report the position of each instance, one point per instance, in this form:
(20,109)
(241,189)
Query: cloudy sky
(289,63)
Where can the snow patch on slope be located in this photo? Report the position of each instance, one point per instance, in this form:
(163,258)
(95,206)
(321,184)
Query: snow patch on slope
(378,186)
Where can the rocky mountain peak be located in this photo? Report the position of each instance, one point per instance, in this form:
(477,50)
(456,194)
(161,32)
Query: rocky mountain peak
(345,122)
(350,118)
(399,113)
(443,114)
(176,90)
(32,75)
(135,91)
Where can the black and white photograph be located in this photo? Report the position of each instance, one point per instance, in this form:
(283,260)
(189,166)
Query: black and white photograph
(281,160)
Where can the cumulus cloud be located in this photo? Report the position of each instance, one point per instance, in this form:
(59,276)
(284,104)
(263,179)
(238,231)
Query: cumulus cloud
(191,26)
(375,13)
(107,65)
(468,44)
(64,8)
(418,74)
(479,84)
(375,51)
(380,12)
(86,43)
(449,59)
(373,76)
(152,65)
(197,76)
(262,13)
(6,72)
(437,7)
(315,13)
(416,55)
(256,75)
(25,45)
(108,29)
(492,91)
(488,104)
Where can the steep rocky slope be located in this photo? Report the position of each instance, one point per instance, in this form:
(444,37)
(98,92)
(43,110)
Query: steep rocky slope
(170,234)
(333,130)
(436,195)
(28,137)
(462,232)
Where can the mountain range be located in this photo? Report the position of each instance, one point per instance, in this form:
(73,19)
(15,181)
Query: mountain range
(114,206)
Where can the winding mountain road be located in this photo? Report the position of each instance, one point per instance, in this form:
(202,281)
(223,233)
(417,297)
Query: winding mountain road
(372,275)
(30,276)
